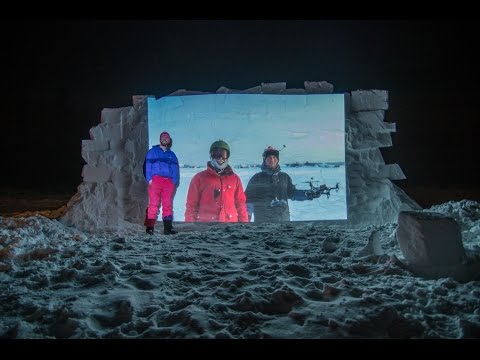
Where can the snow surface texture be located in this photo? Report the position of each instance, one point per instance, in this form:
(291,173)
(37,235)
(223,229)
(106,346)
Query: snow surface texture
(291,280)
(114,192)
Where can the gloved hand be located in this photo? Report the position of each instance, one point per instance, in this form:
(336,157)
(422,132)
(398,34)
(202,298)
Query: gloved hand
(150,182)
(279,204)
(250,208)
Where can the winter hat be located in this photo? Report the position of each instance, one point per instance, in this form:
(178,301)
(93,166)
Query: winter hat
(166,137)
(220,144)
(271,151)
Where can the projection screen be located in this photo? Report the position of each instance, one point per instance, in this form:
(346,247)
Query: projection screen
(309,131)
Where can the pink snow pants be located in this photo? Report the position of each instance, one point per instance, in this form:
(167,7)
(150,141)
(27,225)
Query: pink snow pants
(160,193)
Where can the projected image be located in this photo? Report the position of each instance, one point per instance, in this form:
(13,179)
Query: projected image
(303,136)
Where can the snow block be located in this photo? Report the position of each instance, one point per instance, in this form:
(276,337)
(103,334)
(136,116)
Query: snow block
(113,116)
(274,88)
(429,239)
(318,87)
(392,172)
(367,100)
(97,174)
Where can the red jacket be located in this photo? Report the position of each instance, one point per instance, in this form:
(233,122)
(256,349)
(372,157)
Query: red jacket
(216,198)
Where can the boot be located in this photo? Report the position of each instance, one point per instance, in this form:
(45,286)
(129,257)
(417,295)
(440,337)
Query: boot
(167,227)
(150,224)
(149,230)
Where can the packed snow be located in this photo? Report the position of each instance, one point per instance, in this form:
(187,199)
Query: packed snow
(211,281)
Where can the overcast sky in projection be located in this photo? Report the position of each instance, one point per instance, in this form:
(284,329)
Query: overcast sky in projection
(58,75)
(311,127)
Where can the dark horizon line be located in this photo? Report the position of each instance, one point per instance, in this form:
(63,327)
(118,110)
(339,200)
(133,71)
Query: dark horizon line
(295,164)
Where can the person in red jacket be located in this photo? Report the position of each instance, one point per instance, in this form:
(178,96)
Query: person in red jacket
(216,194)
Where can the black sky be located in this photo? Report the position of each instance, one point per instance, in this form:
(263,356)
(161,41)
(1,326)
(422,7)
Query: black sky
(57,76)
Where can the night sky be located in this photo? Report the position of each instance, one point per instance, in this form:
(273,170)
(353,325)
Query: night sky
(58,75)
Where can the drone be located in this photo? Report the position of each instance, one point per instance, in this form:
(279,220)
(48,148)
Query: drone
(316,190)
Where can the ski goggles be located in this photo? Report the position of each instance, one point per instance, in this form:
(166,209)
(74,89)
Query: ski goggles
(219,154)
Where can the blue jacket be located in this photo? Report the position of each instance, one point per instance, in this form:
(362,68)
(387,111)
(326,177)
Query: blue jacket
(162,163)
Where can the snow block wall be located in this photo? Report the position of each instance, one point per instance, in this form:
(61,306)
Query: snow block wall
(114,190)
(372,198)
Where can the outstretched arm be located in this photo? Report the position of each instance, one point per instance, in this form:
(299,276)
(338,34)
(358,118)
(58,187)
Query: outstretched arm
(301,195)
(295,194)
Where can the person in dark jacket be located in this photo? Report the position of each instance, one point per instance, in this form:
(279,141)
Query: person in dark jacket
(163,175)
(216,194)
(268,191)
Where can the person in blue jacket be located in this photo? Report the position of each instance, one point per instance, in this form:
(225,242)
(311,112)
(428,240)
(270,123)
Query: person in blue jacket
(162,172)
